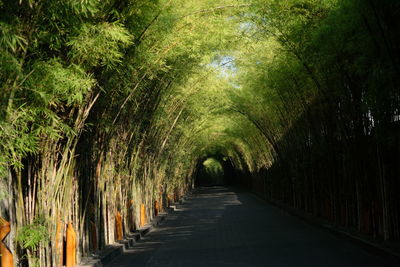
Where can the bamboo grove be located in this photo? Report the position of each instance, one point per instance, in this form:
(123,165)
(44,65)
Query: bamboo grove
(108,107)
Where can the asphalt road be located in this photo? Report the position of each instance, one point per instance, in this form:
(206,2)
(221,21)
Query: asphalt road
(220,227)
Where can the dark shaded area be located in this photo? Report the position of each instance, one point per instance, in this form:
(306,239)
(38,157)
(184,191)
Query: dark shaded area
(349,182)
(229,177)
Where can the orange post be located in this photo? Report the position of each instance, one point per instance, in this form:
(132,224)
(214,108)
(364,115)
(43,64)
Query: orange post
(6,256)
(131,215)
(176,197)
(59,247)
(71,247)
(142,215)
(118,226)
(161,205)
(156,208)
(170,199)
(93,230)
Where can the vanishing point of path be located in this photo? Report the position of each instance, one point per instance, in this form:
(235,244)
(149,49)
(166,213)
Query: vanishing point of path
(220,227)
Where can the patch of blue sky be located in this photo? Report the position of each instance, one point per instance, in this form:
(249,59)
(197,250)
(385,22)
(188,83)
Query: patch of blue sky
(226,68)
(225,65)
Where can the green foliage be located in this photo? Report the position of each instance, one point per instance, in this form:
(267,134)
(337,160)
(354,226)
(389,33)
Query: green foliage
(10,39)
(100,44)
(11,68)
(85,7)
(53,84)
(32,235)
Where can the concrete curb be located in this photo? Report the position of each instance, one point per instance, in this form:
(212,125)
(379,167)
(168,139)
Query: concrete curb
(111,251)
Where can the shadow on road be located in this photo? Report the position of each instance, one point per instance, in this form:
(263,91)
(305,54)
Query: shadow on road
(219,226)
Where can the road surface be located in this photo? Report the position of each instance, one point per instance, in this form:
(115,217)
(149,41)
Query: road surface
(219,227)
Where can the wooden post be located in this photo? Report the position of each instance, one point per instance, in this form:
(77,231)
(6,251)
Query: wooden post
(118,226)
(142,215)
(6,256)
(161,205)
(156,208)
(71,247)
(170,199)
(59,245)
(131,216)
(93,230)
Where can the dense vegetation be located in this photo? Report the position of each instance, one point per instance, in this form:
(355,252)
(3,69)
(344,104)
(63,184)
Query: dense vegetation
(108,105)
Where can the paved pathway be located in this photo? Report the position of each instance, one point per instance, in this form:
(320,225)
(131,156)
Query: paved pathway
(218,227)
